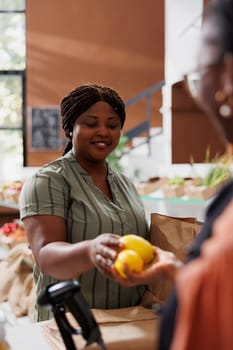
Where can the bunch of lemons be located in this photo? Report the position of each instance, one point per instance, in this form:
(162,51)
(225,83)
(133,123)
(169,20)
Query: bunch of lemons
(136,253)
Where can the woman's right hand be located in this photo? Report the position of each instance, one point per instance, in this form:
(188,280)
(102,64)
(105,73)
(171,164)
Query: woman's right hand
(103,252)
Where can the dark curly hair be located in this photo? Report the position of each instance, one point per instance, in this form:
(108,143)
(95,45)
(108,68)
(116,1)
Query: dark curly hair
(81,99)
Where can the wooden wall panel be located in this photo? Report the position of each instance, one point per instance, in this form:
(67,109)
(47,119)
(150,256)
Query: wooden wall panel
(192,131)
(69,42)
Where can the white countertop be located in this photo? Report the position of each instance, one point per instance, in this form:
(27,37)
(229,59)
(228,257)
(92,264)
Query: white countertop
(26,337)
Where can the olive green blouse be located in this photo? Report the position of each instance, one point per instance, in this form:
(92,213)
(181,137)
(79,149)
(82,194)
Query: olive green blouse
(65,189)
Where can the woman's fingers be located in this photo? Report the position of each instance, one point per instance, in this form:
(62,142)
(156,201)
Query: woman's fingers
(106,248)
(164,265)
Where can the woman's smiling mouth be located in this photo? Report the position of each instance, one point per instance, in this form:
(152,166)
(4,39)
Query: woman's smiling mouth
(101,144)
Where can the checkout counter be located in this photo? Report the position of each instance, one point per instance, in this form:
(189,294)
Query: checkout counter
(175,207)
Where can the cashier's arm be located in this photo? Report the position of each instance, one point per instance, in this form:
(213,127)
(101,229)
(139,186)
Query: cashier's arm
(55,257)
(47,235)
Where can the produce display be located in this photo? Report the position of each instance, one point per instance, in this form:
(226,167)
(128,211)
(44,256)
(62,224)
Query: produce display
(9,192)
(177,180)
(151,185)
(137,253)
(217,175)
(12,233)
(214,180)
(174,187)
(191,187)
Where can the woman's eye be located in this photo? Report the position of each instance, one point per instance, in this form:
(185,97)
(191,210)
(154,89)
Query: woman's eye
(109,126)
(91,125)
(113,126)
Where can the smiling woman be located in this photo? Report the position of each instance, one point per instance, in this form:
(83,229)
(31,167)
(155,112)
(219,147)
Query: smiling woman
(96,133)
(76,208)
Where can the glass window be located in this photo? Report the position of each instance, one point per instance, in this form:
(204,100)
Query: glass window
(12,40)
(11,101)
(12,69)
(11,122)
(11,154)
(12,5)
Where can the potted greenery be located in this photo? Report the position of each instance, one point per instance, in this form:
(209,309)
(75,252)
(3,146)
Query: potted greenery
(115,156)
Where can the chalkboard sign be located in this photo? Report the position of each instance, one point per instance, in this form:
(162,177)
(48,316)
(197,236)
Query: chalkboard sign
(45,128)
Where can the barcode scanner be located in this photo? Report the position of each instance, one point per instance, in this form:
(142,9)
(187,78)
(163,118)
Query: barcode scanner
(66,296)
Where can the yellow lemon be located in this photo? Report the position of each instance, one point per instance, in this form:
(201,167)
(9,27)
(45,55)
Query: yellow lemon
(131,258)
(139,245)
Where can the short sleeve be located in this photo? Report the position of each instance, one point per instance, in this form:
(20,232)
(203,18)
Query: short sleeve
(46,193)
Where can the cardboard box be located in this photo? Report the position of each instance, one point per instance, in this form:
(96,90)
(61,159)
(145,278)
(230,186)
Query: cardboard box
(171,191)
(132,328)
(203,192)
(153,184)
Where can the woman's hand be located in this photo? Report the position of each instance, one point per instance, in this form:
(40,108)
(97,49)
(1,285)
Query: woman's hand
(164,265)
(103,252)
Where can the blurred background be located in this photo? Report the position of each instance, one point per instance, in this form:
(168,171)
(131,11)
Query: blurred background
(140,48)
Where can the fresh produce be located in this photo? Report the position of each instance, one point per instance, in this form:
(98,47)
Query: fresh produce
(139,245)
(216,175)
(136,253)
(177,180)
(131,258)
(9,192)
(13,229)
(219,172)
(12,233)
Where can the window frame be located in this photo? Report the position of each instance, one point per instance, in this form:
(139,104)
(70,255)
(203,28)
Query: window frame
(21,74)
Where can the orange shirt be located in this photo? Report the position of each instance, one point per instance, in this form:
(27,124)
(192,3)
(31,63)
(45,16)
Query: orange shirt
(205,293)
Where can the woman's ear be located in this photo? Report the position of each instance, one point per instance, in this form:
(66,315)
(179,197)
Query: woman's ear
(228,75)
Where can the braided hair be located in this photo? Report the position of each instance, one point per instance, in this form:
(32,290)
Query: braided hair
(81,99)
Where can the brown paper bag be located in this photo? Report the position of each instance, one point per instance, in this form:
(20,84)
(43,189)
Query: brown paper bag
(175,235)
(16,279)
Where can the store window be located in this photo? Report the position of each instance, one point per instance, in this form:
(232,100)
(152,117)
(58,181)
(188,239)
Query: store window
(12,84)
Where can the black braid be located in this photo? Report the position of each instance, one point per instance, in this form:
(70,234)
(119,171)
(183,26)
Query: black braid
(81,99)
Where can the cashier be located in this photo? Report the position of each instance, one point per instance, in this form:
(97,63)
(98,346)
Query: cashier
(76,208)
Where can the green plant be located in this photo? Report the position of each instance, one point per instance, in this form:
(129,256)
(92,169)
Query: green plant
(115,156)
(177,180)
(218,174)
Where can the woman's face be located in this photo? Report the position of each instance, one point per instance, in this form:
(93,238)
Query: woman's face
(96,133)
(213,73)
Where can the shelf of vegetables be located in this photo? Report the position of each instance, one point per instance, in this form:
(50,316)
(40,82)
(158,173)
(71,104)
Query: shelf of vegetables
(184,196)
(9,197)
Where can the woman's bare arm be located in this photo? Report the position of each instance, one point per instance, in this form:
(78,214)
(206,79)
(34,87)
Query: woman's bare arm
(55,257)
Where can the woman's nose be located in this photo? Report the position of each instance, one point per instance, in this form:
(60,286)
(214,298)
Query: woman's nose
(102,130)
